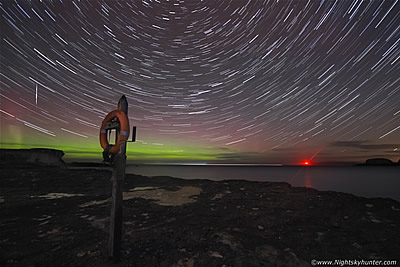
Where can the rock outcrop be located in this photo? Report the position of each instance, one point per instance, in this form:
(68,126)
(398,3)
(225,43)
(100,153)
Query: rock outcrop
(41,156)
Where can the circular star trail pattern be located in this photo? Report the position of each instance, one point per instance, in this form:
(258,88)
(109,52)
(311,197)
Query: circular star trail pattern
(237,81)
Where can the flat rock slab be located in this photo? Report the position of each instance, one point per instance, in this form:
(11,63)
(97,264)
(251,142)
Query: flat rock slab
(53,216)
(183,195)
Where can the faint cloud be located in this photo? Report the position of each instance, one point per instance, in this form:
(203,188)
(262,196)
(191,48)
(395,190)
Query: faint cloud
(286,149)
(238,156)
(364,145)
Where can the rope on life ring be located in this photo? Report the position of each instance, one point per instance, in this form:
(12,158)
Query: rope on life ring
(123,131)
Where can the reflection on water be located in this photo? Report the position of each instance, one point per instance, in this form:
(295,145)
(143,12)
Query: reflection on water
(367,181)
(307,178)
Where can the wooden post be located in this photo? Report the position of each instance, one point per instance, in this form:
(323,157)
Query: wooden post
(118,176)
(117,179)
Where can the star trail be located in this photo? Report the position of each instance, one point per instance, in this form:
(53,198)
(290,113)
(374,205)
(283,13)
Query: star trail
(206,81)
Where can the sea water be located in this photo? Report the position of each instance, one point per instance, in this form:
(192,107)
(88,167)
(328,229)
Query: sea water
(364,181)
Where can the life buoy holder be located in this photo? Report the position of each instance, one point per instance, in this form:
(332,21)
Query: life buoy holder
(123,131)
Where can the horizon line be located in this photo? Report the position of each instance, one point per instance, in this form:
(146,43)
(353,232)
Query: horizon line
(207,164)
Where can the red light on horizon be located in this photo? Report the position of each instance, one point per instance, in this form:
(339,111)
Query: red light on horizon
(306,163)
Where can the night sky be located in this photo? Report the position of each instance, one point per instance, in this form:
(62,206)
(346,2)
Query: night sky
(206,81)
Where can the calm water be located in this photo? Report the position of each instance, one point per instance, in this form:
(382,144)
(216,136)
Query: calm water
(366,181)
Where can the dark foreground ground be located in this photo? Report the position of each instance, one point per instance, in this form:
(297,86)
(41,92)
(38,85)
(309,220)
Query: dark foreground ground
(52,216)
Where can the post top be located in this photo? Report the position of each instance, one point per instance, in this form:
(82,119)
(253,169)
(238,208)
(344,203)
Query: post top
(123,104)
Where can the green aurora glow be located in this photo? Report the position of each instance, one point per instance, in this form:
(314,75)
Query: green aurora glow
(76,149)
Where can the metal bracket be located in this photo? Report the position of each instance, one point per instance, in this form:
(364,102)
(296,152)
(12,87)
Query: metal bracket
(133,135)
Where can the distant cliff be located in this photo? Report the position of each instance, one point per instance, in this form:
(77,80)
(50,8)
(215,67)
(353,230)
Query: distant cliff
(42,156)
(379,162)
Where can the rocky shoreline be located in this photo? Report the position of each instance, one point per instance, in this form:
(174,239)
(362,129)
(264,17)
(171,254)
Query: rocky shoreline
(56,216)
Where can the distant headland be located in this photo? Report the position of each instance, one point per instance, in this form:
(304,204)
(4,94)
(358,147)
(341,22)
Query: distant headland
(380,162)
(40,156)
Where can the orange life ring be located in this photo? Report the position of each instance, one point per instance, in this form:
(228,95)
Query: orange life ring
(123,131)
